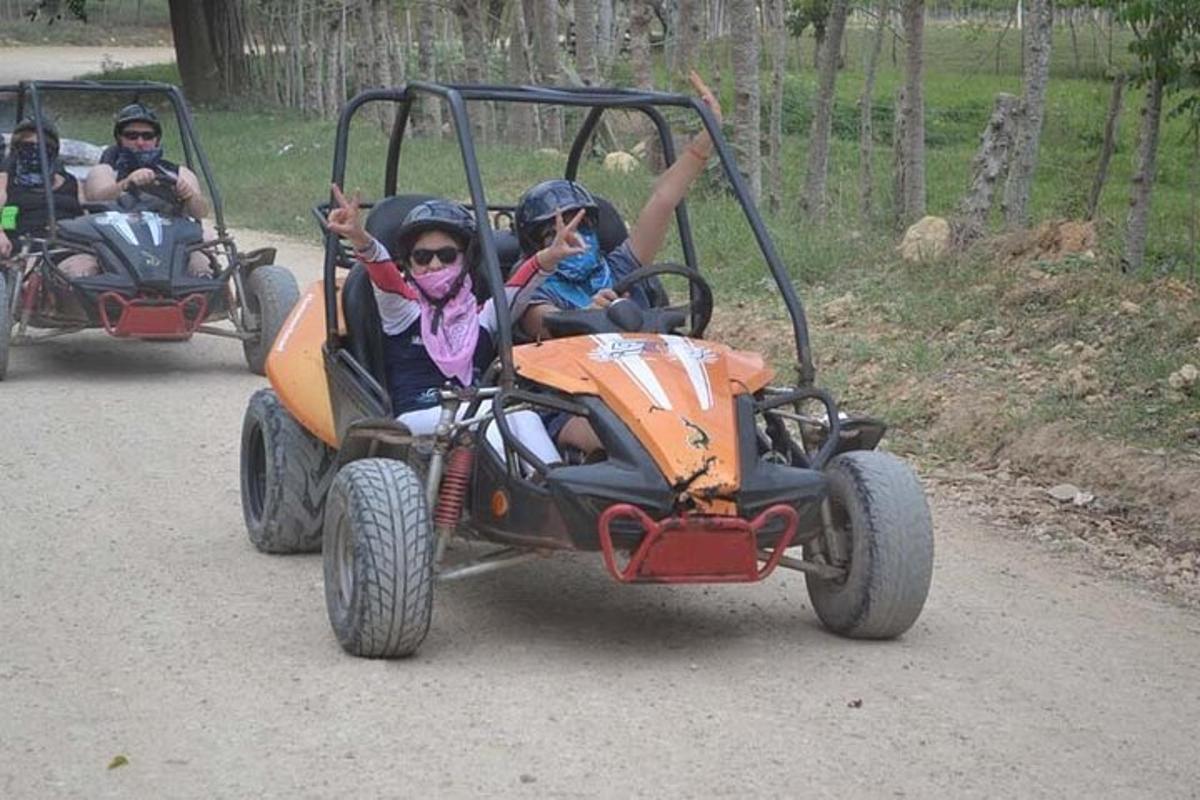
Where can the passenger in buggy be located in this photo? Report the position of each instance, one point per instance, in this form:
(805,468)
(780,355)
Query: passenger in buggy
(586,278)
(435,330)
(23,194)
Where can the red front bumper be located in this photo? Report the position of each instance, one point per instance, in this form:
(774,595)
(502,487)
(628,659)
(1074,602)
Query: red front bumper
(152,317)
(695,549)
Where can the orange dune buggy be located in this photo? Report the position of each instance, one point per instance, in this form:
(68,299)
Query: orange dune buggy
(713,473)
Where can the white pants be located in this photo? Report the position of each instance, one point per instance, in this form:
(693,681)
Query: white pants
(525,426)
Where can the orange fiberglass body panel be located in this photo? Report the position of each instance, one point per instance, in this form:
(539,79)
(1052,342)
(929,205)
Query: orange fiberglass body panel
(296,366)
(674,394)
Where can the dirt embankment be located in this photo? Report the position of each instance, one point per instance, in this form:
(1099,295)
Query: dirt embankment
(1008,415)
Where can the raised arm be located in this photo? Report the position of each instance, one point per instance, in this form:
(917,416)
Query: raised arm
(345,221)
(650,230)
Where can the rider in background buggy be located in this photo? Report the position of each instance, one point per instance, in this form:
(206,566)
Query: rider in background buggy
(136,163)
(23,193)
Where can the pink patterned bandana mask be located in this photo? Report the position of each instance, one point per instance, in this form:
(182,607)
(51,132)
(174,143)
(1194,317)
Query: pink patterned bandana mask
(449,325)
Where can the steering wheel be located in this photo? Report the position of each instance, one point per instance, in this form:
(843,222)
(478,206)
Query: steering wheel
(141,198)
(699,309)
(625,315)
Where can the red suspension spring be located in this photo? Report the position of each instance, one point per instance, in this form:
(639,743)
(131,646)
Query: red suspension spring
(453,491)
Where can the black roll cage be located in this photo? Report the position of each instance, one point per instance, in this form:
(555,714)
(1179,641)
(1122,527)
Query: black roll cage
(598,100)
(193,153)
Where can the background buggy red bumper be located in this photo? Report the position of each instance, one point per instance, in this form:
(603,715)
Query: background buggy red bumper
(695,549)
(152,317)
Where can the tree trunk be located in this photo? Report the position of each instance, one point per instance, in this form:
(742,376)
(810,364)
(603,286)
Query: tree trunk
(899,161)
(689,28)
(475,53)
(585,42)
(639,43)
(866,139)
(777,33)
(335,60)
(607,41)
(389,66)
(1143,180)
(1109,146)
(194,53)
(228,36)
(310,44)
(520,124)
(428,110)
(813,199)
(1033,110)
(1074,42)
(992,162)
(746,109)
(546,47)
(912,203)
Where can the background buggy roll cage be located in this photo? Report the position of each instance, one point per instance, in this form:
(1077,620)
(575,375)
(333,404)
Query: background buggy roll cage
(598,100)
(193,153)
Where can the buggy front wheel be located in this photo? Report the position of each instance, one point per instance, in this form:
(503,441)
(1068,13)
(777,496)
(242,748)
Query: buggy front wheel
(378,555)
(879,513)
(271,291)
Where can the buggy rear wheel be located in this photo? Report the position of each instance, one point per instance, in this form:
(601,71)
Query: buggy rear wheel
(8,288)
(378,556)
(879,512)
(271,291)
(285,474)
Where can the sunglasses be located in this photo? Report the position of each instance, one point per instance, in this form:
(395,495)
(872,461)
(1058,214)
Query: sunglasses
(445,255)
(145,136)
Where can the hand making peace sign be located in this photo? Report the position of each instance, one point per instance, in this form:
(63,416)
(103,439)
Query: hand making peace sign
(345,221)
(566,242)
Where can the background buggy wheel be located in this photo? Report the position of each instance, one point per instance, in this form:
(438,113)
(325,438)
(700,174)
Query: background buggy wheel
(285,475)
(271,291)
(879,509)
(8,287)
(378,559)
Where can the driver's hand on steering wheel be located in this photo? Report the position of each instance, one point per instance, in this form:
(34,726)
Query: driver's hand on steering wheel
(140,177)
(604,298)
(184,191)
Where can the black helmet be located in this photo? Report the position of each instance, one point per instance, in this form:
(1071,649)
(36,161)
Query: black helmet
(539,205)
(135,112)
(29,125)
(434,215)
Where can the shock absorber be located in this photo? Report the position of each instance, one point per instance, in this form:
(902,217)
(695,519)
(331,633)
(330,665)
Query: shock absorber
(453,491)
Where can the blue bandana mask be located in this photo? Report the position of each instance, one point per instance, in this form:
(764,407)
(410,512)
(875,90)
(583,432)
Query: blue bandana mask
(580,276)
(27,167)
(129,160)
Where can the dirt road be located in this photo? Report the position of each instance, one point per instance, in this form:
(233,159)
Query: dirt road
(136,620)
(60,63)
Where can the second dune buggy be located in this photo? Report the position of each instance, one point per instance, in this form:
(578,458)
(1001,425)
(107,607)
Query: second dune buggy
(143,289)
(714,473)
